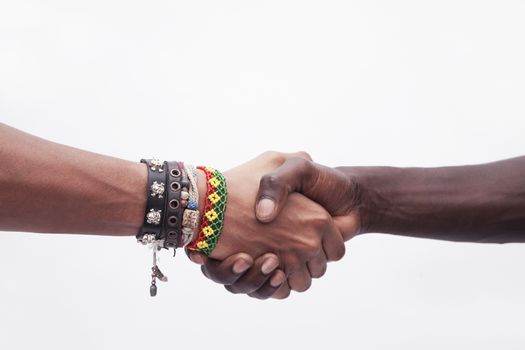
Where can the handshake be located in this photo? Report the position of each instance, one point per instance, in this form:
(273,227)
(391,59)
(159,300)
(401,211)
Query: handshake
(286,218)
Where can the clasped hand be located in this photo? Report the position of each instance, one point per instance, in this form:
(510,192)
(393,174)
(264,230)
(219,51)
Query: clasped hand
(286,218)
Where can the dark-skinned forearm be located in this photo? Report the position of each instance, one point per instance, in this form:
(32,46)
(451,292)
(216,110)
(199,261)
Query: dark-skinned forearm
(478,203)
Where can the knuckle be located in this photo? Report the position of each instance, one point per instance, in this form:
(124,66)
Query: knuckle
(325,218)
(303,287)
(245,287)
(321,220)
(234,289)
(299,163)
(282,295)
(267,180)
(319,271)
(274,157)
(338,253)
(255,296)
(289,269)
(218,275)
(269,154)
(205,272)
(292,267)
(304,155)
(302,165)
(270,181)
(225,279)
(312,245)
(259,295)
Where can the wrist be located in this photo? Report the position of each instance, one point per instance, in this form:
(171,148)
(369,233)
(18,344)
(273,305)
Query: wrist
(409,201)
(372,194)
(131,194)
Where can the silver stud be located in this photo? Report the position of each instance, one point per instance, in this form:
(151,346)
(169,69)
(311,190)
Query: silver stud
(157,189)
(157,165)
(147,238)
(153,217)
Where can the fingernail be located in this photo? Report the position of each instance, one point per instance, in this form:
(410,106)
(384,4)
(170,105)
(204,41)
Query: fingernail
(269,265)
(265,207)
(240,266)
(277,280)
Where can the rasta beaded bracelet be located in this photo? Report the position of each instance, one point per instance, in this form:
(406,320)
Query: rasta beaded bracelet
(213,215)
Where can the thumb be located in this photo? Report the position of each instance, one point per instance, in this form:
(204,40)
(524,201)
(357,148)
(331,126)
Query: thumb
(292,176)
(266,209)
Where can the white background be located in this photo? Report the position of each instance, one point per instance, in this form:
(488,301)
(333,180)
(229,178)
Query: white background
(353,82)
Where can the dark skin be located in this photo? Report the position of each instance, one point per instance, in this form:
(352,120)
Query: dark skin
(476,203)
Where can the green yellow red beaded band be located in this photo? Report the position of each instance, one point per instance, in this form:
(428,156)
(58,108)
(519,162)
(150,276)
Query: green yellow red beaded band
(213,215)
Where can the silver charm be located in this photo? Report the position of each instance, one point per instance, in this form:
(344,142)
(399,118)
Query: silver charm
(148,238)
(155,272)
(157,165)
(153,217)
(157,189)
(187,236)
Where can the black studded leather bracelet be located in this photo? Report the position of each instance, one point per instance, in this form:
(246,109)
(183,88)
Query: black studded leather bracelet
(156,188)
(168,222)
(151,232)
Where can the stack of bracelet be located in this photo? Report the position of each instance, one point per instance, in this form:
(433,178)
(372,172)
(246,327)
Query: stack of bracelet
(214,208)
(172,215)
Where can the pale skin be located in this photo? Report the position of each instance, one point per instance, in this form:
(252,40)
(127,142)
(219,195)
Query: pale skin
(51,188)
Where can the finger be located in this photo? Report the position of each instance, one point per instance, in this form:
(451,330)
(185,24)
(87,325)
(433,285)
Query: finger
(333,242)
(317,266)
(257,276)
(283,292)
(292,176)
(271,286)
(197,257)
(229,270)
(300,281)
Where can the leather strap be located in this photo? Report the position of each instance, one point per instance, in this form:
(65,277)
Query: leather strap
(173,223)
(156,192)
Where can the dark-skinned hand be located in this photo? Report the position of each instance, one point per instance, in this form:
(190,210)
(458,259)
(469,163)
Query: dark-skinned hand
(335,191)
(270,274)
